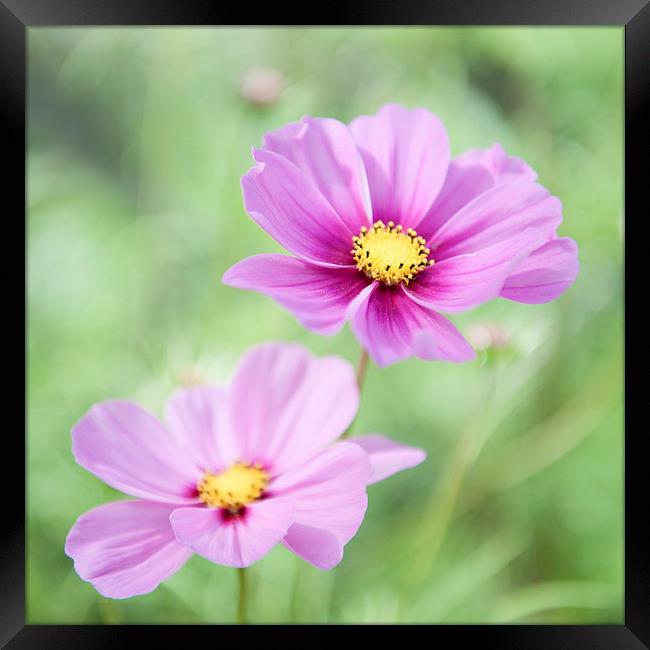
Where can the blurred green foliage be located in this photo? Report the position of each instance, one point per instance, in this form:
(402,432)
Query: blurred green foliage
(137,141)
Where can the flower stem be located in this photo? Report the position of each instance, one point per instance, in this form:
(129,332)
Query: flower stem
(362,365)
(241,610)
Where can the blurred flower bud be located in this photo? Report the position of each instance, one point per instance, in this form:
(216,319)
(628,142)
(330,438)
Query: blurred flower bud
(487,335)
(190,376)
(262,86)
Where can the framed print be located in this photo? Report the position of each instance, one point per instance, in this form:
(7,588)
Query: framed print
(325,324)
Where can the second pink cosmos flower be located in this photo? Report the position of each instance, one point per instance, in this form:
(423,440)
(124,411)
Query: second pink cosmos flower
(387,231)
(231,473)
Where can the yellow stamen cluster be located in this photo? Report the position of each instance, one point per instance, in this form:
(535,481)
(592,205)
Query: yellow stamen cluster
(387,254)
(234,488)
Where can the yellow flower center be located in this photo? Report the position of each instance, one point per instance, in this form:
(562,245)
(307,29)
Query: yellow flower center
(233,488)
(387,254)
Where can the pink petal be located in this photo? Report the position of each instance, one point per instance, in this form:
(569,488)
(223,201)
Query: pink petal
(315,545)
(130,450)
(502,167)
(498,214)
(406,155)
(281,199)
(329,490)
(318,297)
(471,174)
(325,151)
(387,457)
(197,417)
(126,548)
(234,541)
(465,281)
(545,273)
(391,327)
(287,404)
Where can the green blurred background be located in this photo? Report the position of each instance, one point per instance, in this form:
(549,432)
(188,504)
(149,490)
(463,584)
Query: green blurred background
(137,141)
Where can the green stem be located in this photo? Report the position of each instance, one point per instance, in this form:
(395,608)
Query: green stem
(440,510)
(362,365)
(241,610)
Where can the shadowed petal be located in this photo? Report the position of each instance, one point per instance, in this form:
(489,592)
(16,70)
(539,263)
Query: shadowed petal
(406,156)
(325,152)
(235,541)
(131,451)
(281,199)
(287,404)
(545,273)
(315,545)
(126,548)
(318,297)
(387,457)
(391,327)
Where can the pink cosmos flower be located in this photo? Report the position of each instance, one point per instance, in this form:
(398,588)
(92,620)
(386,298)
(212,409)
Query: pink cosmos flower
(232,472)
(387,232)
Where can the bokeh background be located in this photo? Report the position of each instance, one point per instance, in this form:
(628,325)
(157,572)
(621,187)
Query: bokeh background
(137,141)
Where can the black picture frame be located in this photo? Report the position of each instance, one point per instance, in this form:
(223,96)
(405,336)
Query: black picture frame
(18,15)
